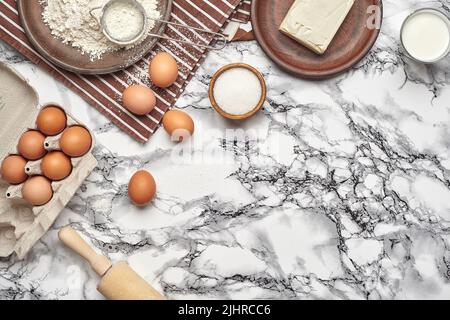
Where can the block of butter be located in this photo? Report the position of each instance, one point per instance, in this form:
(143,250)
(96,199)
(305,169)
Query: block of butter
(314,23)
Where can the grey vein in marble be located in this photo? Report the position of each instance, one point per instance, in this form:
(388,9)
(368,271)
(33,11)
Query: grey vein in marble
(344,195)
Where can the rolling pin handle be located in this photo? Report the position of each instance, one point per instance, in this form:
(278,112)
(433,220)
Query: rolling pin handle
(99,263)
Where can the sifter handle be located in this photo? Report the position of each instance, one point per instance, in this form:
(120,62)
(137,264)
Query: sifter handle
(92,13)
(99,263)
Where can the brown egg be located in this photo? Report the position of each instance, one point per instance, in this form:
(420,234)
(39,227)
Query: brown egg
(31,145)
(75,141)
(178,124)
(56,166)
(13,169)
(51,121)
(139,100)
(37,191)
(142,188)
(163,70)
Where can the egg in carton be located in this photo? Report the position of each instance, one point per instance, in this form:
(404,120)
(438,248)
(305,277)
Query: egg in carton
(21,224)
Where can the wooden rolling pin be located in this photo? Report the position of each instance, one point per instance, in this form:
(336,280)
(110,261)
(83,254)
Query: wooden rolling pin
(119,281)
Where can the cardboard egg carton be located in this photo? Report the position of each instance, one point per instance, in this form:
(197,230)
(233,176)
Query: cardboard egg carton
(21,224)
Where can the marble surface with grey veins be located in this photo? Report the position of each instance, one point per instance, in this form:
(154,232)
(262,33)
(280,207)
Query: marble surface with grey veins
(338,190)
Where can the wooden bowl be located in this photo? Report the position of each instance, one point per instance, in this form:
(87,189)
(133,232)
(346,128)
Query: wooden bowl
(237,116)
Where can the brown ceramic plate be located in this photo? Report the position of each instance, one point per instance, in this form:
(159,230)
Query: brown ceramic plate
(352,42)
(69,58)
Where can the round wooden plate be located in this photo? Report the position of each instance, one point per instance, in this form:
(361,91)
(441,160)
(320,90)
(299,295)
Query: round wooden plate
(352,42)
(69,58)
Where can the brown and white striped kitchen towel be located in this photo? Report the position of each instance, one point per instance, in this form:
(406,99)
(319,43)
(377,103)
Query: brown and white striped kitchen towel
(104,92)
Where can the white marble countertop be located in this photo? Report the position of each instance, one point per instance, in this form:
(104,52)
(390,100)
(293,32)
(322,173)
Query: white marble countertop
(339,190)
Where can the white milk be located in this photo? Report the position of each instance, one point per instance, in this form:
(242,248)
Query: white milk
(426,35)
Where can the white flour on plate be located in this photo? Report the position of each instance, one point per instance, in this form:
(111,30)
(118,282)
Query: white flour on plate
(71,22)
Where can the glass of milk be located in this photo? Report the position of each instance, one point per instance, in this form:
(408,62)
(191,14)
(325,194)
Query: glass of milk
(425,35)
